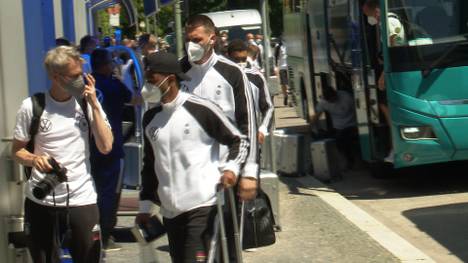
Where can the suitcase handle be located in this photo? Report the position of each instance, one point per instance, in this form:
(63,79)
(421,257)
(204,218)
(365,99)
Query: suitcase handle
(220,226)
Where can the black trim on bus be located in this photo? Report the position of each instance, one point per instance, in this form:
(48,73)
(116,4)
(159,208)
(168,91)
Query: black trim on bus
(413,58)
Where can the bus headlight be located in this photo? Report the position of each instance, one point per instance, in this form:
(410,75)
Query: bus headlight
(418,133)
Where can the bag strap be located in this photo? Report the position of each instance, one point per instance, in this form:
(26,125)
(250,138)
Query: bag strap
(84,107)
(38,105)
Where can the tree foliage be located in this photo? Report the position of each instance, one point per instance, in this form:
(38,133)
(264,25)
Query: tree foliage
(166,15)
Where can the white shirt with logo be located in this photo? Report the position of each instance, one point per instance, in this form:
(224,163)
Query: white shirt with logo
(64,135)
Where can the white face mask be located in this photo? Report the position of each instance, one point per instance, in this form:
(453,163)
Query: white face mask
(372,20)
(75,87)
(195,51)
(152,93)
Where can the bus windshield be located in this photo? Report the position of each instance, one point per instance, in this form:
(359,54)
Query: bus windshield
(420,31)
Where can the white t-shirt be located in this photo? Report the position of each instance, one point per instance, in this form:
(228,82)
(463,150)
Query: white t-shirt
(283,58)
(64,135)
(341,111)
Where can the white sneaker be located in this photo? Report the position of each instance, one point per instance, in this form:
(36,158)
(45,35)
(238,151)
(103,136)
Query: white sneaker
(390,157)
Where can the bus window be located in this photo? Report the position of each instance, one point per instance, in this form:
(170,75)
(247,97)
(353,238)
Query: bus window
(423,31)
(425,22)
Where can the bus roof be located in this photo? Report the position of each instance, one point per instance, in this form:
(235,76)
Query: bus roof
(246,17)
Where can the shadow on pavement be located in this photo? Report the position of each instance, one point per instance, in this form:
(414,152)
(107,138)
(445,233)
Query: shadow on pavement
(446,224)
(294,186)
(435,179)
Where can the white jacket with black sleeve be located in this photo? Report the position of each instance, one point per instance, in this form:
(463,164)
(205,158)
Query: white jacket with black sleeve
(225,84)
(263,105)
(181,165)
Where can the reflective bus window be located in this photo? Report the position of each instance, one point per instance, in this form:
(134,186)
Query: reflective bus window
(425,22)
(427,34)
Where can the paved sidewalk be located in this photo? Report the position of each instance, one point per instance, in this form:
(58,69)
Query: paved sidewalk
(312,231)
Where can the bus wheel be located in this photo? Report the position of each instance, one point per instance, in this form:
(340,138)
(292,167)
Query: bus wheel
(382,170)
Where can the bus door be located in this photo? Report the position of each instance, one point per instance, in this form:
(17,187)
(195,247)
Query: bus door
(362,46)
(426,76)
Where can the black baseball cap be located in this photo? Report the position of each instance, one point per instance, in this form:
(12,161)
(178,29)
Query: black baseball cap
(164,62)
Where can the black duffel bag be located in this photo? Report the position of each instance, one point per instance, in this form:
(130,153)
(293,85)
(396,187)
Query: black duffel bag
(258,222)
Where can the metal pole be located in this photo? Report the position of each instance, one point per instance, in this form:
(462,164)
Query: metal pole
(155,29)
(178,29)
(266,59)
(137,26)
(187,8)
(266,37)
(147,25)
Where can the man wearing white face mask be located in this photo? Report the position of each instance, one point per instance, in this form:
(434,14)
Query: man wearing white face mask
(63,134)
(180,164)
(396,31)
(221,81)
(396,35)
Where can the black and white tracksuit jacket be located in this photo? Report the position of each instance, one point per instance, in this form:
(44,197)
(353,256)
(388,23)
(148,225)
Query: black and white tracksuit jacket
(225,84)
(262,100)
(181,165)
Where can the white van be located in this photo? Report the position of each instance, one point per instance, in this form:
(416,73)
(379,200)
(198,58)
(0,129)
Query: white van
(237,22)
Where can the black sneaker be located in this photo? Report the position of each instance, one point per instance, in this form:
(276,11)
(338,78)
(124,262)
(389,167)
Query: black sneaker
(110,245)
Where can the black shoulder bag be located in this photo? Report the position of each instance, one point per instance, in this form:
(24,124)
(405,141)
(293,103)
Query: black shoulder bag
(258,221)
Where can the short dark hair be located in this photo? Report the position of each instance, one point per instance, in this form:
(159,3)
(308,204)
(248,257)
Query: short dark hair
(61,41)
(372,3)
(200,20)
(236,45)
(85,41)
(100,57)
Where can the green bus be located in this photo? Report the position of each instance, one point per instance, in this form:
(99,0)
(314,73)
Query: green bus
(330,42)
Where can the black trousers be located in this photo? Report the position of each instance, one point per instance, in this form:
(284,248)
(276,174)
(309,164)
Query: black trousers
(46,227)
(189,234)
(107,177)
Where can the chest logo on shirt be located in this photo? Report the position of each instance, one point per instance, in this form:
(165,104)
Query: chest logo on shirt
(45,125)
(81,122)
(187,129)
(154,132)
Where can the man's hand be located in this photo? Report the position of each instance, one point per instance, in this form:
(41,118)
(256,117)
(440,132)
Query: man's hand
(41,163)
(142,218)
(260,137)
(228,179)
(90,91)
(247,188)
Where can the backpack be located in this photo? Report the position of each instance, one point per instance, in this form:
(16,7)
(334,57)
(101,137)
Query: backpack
(38,105)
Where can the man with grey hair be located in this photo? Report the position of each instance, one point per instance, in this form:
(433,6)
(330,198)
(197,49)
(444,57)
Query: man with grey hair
(60,194)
